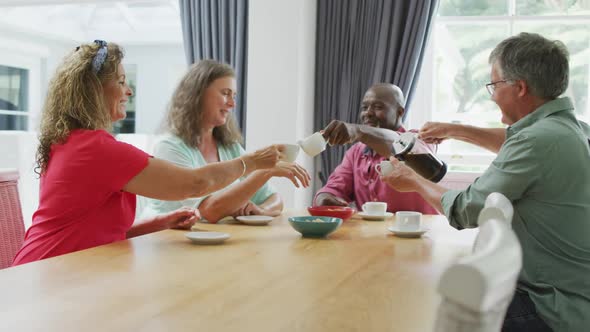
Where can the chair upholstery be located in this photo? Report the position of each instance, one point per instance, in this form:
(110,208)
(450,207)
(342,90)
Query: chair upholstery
(12,229)
(17,151)
(478,288)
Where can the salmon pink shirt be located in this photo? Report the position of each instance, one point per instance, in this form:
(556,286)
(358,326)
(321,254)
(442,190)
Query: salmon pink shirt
(81,202)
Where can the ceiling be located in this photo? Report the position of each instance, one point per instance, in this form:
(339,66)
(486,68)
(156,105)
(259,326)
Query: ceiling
(130,22)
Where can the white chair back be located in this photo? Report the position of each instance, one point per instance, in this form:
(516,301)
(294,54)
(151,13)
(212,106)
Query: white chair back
(478,288)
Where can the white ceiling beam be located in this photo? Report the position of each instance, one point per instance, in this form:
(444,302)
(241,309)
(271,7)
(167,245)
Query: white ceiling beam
(127,15)
(29,3)
(14,30)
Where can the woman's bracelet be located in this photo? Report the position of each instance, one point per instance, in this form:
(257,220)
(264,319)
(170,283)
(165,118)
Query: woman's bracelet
(243,165)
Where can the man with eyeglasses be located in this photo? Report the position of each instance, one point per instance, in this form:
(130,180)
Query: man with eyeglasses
(355,179)
(543,167)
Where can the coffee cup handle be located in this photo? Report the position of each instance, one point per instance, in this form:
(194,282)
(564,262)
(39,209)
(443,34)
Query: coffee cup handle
(378,169)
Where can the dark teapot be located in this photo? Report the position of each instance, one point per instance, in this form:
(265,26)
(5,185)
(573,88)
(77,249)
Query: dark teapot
(417,155)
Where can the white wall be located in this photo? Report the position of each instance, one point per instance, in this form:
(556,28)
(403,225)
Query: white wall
(281,53)
(36,54)
(17,149)
(159,68)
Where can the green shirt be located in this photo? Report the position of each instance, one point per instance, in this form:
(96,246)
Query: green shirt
(173,148)
(543,167)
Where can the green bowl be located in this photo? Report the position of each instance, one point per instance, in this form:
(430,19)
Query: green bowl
(309,228)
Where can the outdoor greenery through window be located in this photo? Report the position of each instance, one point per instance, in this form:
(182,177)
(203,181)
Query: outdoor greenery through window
(465,33)
(14,98)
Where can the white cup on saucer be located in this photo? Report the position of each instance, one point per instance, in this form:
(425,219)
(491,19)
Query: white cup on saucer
(290,152)
(375,208)
(408,221)
(384,168)
(313,144)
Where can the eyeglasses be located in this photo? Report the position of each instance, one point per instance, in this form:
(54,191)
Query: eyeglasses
(491,87)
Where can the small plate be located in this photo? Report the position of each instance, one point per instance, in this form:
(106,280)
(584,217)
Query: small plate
(255,220)
(401,233)
(375,217)
(207,237)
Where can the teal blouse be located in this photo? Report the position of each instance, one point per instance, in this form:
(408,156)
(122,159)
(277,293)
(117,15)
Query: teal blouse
(173,149)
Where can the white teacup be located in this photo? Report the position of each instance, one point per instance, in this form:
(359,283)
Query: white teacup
(408,221)
(375,208)
(314,144)
(384,168)
(290,153)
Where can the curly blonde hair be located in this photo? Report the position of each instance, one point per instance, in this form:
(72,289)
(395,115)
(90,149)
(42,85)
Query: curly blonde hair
(185,111)
(75,98)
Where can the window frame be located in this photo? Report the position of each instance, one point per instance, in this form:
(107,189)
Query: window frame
(33,65)
(423,102)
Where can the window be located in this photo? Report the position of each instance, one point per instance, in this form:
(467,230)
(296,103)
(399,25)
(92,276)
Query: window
(456,65)
(14,98)
(127,125)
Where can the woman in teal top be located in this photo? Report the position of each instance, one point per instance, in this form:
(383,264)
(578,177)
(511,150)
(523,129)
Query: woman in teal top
(203,130)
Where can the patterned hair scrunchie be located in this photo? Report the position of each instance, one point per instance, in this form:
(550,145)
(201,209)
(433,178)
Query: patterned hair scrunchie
(100,56)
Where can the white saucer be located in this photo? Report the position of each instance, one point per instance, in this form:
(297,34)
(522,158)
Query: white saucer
(255,220)
(375,217)
(207,237)
(401,233)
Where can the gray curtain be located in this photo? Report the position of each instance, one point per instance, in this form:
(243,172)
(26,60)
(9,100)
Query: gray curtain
(360,43)
(218,29)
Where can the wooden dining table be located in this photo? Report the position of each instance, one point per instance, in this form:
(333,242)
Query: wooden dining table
(264,278)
